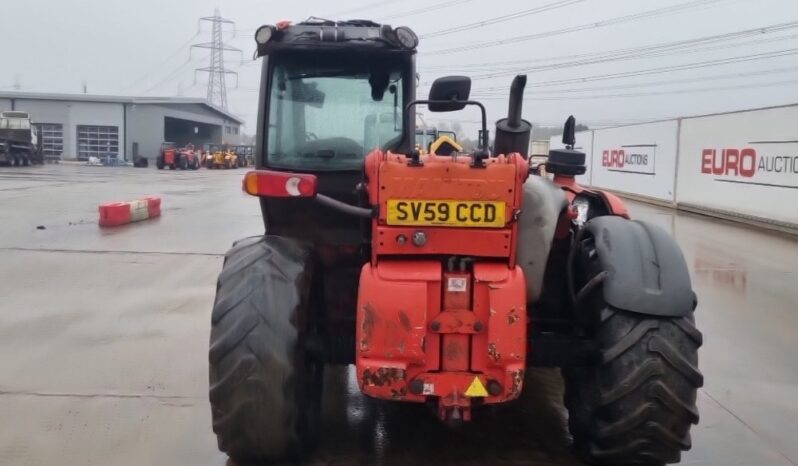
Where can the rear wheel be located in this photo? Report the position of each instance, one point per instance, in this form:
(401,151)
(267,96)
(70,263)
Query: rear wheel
(636,404)
(265,389)
(182,163)
(159,163)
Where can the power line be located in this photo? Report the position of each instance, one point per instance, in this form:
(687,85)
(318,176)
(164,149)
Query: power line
(450,3)
(167,60)
(667,82)
(664,69)
(599,24)
(650,53)
(635,52)
(500,19)
(426,9)
(174,73)
(644,56)
(658,93)
(369,6)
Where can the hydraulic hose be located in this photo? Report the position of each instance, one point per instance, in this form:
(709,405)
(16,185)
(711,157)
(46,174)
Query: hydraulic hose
(344,207)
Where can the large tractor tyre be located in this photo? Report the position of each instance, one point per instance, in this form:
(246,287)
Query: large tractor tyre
(182,163)
(159,163)
(265,386)
(636,404)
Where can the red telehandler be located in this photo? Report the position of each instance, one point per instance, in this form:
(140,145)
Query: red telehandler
(177,157)
(441,278)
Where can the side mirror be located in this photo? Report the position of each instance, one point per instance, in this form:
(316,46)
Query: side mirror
(569,132)
(455,90)
(568,162)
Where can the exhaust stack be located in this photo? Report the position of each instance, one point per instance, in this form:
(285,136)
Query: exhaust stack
(513,132)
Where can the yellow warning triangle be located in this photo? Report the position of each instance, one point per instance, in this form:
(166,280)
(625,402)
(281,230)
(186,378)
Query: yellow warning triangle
(476,389)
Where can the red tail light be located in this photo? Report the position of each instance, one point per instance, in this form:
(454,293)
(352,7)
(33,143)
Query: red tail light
(280,184)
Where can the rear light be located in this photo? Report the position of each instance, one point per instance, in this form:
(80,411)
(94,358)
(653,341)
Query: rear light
(269,183)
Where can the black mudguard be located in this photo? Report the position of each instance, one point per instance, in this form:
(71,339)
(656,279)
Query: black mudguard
(646,271)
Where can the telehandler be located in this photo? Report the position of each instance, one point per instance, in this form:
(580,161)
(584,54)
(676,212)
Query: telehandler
(441,278)
(219,156)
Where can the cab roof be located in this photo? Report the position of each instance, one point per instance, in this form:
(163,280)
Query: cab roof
(327,35)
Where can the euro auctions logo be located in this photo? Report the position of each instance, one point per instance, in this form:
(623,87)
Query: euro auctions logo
(636,159)
(734,162)
(774,165)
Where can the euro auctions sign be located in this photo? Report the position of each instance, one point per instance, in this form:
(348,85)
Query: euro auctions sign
(638,159)
(764,163)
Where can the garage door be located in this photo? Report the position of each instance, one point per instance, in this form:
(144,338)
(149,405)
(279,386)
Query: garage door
(52,139)
(97,141)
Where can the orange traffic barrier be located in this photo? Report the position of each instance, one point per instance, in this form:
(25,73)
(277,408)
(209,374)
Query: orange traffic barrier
(119,213)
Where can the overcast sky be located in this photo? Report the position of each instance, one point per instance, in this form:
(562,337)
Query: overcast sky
(141,47)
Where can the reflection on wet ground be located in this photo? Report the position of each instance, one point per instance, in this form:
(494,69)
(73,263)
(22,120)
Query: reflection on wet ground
(104,338)
(712,270)
(530,431)
(361,431)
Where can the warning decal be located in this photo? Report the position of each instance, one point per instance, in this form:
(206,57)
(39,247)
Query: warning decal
(476,389)
(457,285)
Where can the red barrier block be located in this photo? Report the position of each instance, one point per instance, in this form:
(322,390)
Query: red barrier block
(120,213)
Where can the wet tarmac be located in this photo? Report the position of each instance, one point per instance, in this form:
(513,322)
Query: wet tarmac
(104,334)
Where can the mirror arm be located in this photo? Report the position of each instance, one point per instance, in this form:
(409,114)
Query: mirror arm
(485,138)
(485,141)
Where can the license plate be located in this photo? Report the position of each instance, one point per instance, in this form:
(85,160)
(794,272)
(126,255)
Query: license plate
(414,212)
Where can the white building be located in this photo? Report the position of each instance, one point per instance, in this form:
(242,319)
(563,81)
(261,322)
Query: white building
(76,126)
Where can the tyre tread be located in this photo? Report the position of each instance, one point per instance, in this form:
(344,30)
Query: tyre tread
(629,340)
(636,405)
(253,346)
(672,356)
